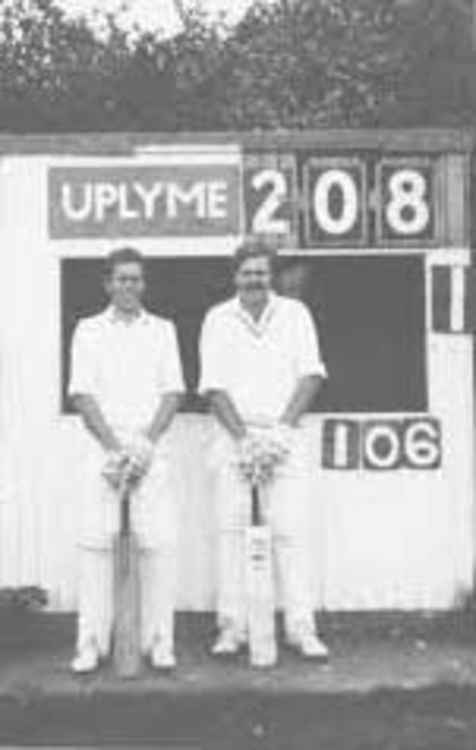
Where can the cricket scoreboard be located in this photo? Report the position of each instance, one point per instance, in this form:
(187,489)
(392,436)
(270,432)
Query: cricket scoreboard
(373,233)
(316,201)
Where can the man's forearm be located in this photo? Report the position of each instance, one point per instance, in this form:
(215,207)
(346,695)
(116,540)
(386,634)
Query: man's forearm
(301,400)
(95,422)
(227,414)
(169,406)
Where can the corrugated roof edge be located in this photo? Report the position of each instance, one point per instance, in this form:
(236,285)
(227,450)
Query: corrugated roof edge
(114,144)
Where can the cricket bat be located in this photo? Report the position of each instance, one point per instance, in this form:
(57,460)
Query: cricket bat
(259,588)
(126,644)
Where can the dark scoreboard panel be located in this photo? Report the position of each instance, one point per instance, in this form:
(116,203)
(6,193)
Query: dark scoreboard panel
(370,313)
(344,201)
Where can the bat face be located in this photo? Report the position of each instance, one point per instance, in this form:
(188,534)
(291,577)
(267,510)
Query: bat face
(126,653)
(260,596)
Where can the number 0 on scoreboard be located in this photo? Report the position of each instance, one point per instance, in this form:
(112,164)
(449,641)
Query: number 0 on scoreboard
(335,192)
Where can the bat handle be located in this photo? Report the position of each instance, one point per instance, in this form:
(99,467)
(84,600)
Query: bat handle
(125,509)
(256,519)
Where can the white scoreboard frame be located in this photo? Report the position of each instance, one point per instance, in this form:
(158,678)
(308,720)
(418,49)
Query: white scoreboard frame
(403,539)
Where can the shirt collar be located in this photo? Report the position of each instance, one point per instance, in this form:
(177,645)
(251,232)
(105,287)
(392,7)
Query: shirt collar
(257,327)
(111,316)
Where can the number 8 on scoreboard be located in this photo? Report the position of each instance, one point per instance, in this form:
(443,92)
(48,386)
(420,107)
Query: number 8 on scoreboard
(405,193)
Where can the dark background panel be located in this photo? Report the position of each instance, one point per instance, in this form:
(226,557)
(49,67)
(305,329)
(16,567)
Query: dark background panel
(371,317)
(179,289)
(370,314)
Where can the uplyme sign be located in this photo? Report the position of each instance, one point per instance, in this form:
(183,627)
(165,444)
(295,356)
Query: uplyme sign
(143,201)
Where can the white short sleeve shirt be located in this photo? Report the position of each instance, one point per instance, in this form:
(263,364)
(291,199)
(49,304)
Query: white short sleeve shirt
(126,366)
(259,364)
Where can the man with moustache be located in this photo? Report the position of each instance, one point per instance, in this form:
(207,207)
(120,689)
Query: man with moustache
(261,369)
(126,383)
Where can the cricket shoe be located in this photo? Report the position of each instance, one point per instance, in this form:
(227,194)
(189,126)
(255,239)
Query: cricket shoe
(308,645)
(228,643)
(162,655)
(87,660)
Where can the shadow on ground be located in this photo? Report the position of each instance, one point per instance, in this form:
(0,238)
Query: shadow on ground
(394,682)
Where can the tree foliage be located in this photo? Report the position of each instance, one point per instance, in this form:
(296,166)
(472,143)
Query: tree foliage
(306,63)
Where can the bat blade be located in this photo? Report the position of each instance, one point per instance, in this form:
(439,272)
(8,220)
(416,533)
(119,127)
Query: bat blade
(260,596)
(126,651)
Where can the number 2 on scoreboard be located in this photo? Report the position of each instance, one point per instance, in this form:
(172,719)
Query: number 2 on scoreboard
(271,201)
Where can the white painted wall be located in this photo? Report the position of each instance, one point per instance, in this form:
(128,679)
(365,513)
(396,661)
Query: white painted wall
(380,540)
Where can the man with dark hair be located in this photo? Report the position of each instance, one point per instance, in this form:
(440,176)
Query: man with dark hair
(253,250)
(122,255)
(126,383)
(261,369)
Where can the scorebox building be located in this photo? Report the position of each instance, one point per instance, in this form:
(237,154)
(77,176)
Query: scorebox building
(373,232)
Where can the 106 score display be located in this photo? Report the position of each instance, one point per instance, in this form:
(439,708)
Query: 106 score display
(382,444)
(342,201)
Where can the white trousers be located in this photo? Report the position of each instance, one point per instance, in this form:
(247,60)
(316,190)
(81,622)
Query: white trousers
(154,520)
(286,506)
(157,585)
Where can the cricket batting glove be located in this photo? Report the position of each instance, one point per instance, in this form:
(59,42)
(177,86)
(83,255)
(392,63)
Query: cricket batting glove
(283,437)
(140,453)
(114,467)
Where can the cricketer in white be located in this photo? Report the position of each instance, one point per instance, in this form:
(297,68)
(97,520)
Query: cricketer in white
(126,382)
(261,365)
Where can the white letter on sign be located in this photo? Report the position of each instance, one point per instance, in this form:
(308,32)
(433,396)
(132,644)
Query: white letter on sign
(217,199)
(148,197)
(336,178)
(81,212)
(105,196)
(421,445)
(125,211)
(382,435)
(176,195)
